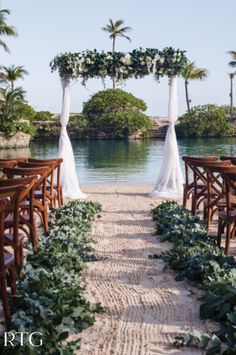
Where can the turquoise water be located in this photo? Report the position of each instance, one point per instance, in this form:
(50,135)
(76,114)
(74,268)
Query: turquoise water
(123,161)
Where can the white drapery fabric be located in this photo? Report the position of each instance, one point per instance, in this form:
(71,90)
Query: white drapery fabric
(69,180)
(170,180)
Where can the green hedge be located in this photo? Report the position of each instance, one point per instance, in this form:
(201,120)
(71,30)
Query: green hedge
(197,257)
(204,121)
(116,111)
(51,299)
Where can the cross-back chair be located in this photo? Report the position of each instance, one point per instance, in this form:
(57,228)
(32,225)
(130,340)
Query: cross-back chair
(215,194)
(57,183)
(193,183)
(40,205)
(51,193)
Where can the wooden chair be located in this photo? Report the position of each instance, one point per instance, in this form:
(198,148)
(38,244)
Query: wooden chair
(215,199)
(6,164)
(15,221)
(57,168)
(51,193)
(191,186)
(227,218)
(7,270)
(40,205)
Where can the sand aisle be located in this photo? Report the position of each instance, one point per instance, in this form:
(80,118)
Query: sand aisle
(146,307)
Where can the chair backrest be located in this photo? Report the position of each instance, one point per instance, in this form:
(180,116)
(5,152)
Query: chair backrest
(57,166)
(50,174)
(28,182)
(40,174)
(12,194)
(207,176)
(215,183)
(189,167)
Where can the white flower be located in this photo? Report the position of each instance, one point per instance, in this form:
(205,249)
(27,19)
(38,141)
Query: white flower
(157,57)
(162,60)
(126,59)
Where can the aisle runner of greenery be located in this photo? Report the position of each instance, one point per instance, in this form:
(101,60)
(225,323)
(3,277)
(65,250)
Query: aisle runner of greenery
(51,299)
(198,258)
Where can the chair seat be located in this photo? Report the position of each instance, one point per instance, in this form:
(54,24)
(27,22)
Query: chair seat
(8,259)
(9,238)
(9,220)
(220,203)
(224,215)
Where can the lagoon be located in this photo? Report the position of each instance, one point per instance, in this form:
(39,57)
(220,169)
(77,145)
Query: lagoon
(123,161)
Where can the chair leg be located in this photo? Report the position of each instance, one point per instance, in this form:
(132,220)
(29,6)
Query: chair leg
(208,220)
(12,277)
(19,258)
(61,202)
(45,220)
(219,232)
(6,310)
(228,237)
(33,235)
(185,197)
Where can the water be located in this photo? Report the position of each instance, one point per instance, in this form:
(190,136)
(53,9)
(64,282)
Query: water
(123,161)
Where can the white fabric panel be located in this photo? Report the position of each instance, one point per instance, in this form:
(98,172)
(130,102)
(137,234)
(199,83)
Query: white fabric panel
(69,180)
(170,180)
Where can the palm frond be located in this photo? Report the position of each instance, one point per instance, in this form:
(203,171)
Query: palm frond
(128,38)
(232,63)
(7,30)
(3,44)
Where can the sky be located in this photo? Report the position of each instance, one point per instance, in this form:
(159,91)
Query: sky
(204,28)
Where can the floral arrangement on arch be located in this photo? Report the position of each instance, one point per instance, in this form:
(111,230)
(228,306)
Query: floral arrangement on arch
(118,65)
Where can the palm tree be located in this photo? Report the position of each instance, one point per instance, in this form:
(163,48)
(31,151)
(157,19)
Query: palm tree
(231,77)
(115,29)
(13,73)
(8,100)
(5,29)
(232,63)
(191,72)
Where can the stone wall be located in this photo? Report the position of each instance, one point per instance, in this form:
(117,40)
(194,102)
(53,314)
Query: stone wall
(19,140)
(51,130)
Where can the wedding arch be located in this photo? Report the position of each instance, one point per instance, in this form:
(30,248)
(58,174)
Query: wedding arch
(121,66)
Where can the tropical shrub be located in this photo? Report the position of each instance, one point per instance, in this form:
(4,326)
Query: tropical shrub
(78,120)
(205,120)
(15,114)
(117,111)
(197,257)
(51,295)
(43,116)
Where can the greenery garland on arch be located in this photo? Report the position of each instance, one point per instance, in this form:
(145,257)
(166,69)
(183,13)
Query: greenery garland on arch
(118,65)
